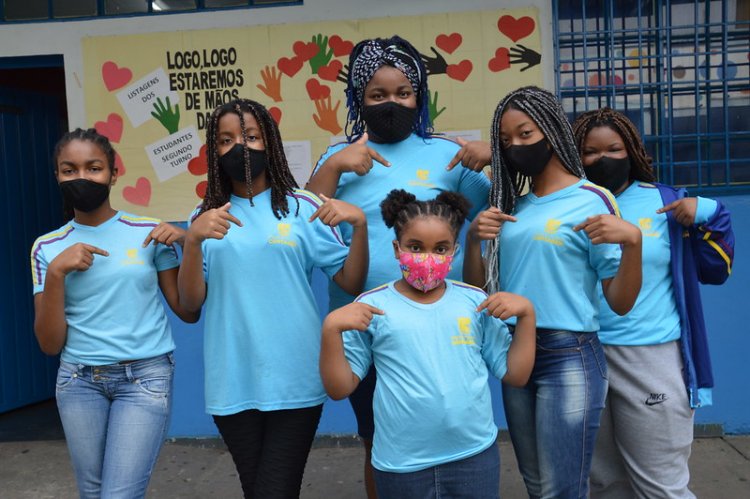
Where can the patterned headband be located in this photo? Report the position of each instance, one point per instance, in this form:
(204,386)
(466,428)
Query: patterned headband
(373,57)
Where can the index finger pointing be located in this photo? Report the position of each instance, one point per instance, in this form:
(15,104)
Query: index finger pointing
(377,157)
(95,250)
(232,218)
(456,159)
(374,310)
(669,207)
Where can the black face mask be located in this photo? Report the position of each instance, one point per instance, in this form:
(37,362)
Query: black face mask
(390,122)
(610,173)
(233,163)
(83,194)
(529,160)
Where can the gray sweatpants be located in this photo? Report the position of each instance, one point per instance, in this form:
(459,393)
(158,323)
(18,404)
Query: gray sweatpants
(646,432)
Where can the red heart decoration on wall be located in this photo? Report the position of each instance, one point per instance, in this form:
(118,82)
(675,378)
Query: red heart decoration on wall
(317,91)
(140,194)
(340,47)
(112,128)
(290,67)
(501,60)
(449,43)
(516,29)
(114,76)
(459,71)
(275,114)
(199,164)
(331,71)
(200,188)
(305,51)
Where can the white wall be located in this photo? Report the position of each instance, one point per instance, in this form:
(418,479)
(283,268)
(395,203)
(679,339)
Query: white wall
(65,37)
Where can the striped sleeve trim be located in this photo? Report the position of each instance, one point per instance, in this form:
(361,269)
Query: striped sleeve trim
(468,286)
(380,288)
(605,196)
(36,269)
(316,202)
(139,221)
(720,251)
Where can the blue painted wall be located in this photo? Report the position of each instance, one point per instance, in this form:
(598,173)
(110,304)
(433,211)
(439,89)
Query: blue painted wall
(727,314)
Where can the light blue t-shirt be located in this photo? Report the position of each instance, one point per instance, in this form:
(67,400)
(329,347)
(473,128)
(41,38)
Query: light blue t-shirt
(417,166)
(543,259)
(432,402)
(113,310)
(262,327)
(654,319)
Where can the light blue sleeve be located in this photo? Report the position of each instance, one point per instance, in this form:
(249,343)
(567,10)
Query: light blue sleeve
(165,258)
(495,344)
(38,268)
(476,187)
(605,259)
(329,152)
(325,244)
(704,210)
(358,351)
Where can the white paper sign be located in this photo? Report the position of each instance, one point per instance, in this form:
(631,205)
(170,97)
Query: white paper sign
(467,135)
(139,98)
(298,156)
(170,156)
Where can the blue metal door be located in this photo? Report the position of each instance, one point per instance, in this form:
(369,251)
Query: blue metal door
(29,206)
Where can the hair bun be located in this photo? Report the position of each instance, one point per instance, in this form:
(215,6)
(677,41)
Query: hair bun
(393,204)
(457,202)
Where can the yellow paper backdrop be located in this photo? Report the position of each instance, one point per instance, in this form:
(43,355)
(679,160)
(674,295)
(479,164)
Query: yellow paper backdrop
(485,56)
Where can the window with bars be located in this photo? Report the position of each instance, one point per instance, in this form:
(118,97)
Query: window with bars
(679,69)
(51,10)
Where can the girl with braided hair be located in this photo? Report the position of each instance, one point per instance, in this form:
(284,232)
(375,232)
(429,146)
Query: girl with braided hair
(114,383)
(646,431)
(434,342)
(553,244)
(389,146)
(249,254)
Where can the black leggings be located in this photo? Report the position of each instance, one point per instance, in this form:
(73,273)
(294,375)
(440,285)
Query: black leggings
(270,448)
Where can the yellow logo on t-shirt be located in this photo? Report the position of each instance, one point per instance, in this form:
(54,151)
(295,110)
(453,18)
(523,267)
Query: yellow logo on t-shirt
(464,328)
(422,179)
(645,225)
(132,257)
(284,230)
(550,229)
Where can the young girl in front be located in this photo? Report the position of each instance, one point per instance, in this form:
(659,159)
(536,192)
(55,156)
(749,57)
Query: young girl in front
(433,342)
(97,282)
(249,254)
(558,241)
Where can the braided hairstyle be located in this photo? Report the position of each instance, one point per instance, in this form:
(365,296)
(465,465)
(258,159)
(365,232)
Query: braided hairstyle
(278,174)
(507,184)
(89,135)
(406,55)
(641,164)
(400,207)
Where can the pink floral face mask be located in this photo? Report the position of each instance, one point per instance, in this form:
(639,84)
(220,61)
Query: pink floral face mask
(424,271)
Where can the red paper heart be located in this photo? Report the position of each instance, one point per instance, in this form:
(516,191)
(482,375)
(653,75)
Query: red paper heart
(340,47)
(112,128)
(119,165)
(200,188)
(449,43)
(114,76)
(331,71)
(140,194)
(275,114)
(459,71)
(305,51)
(501,60)
(290,67)
(516,29)
(317,91)
(199,164)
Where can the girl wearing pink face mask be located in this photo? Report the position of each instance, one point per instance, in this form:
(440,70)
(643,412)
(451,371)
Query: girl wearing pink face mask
(433,342)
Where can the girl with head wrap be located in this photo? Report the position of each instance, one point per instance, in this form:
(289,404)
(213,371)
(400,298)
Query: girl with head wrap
(559,240)
(389,146)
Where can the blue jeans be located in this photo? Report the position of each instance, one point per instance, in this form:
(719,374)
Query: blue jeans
(554,419)
(476,477)
(115,418)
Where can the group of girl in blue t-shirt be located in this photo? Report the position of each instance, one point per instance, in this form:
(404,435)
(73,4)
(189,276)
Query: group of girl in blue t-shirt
(413,352)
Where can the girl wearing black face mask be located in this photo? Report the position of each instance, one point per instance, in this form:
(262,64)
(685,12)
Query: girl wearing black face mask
(647,424)
(559,241)
(390,146)
(248,257)
(114,384)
